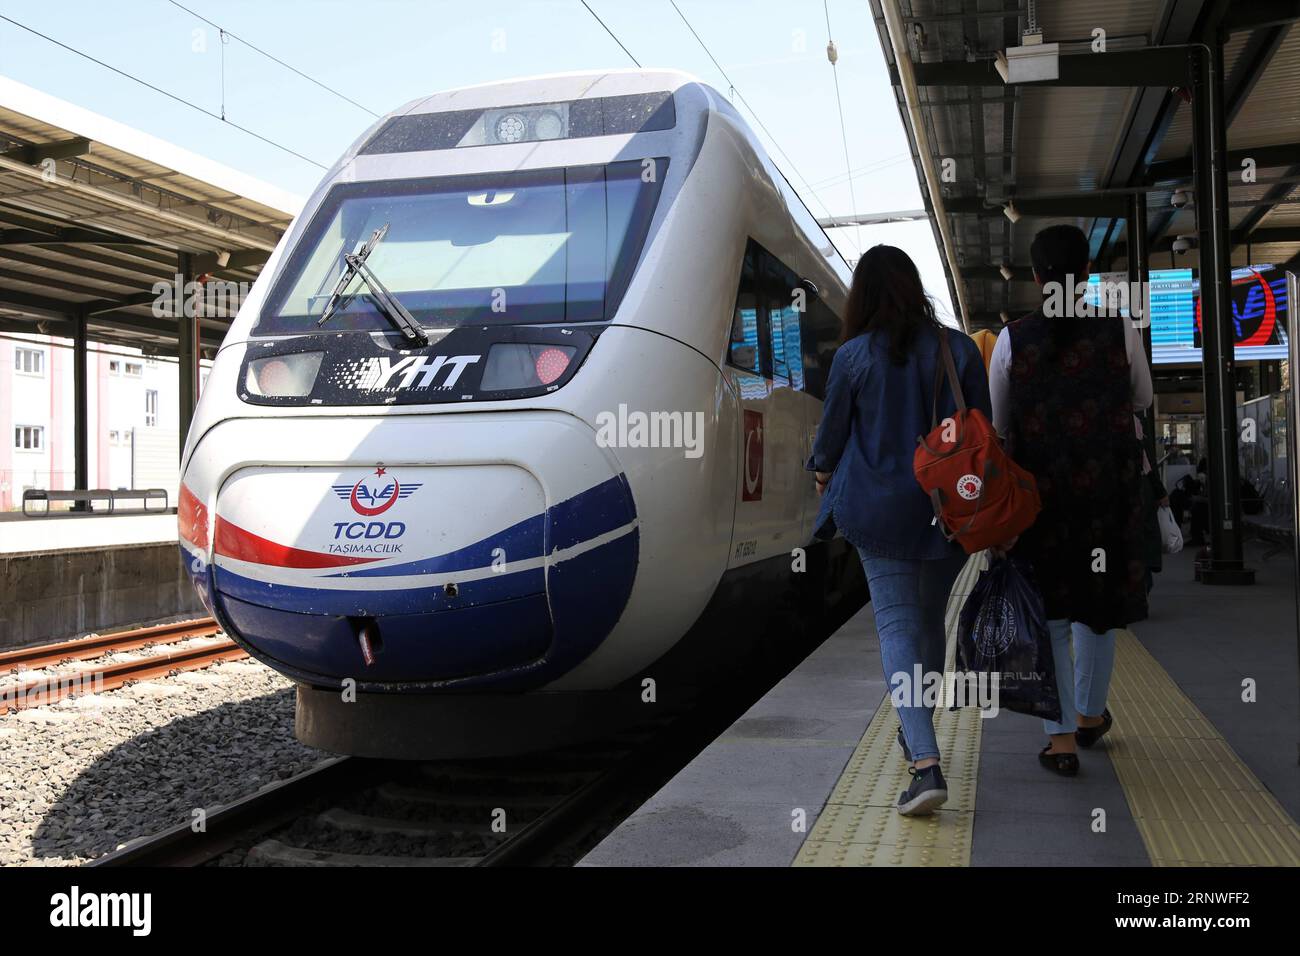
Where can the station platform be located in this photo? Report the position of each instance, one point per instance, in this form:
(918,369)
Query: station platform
(1191,774)
(57,532)
(65,576)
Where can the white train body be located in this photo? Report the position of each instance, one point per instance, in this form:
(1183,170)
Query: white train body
(629,314)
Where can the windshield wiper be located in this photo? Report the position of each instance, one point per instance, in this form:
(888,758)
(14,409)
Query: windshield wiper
(388,303)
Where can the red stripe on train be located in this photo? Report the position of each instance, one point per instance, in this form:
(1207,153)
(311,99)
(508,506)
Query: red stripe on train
(234,542)
(192,519)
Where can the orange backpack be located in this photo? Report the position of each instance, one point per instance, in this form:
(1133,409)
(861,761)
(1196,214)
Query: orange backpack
(981,497)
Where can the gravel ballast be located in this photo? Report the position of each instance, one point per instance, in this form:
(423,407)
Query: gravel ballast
(81,777)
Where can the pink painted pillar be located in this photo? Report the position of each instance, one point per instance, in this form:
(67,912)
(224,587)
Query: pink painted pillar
(58,480)
(101,419)
(6,426)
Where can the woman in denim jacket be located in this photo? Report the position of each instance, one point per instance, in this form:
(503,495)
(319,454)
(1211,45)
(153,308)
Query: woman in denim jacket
(878,402)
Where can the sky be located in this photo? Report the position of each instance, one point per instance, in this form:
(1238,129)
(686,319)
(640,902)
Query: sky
(384,53)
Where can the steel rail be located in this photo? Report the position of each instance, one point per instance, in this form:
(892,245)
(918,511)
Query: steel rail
(43,655)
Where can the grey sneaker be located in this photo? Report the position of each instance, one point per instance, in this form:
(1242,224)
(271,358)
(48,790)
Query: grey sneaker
(927,792)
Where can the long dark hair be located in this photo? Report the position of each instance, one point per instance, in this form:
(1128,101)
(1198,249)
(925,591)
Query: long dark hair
(1059,253)
(887,296)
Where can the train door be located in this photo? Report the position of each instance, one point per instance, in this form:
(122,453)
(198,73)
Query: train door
(768,505)
(819,337)
(784,300)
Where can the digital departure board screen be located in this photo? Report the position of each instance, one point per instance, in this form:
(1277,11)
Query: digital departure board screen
(1260,313)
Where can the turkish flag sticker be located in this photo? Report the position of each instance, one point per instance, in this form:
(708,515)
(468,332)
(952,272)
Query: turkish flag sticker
(752,489)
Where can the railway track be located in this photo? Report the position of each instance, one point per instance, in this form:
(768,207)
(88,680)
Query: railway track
(45,686)
(544,809)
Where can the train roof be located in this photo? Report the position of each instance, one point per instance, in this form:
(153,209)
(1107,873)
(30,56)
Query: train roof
(553,87)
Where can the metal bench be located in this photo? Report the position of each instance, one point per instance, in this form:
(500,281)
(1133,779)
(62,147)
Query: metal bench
(88,497)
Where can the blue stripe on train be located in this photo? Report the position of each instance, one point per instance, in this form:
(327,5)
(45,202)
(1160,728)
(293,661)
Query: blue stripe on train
(510,631)
(442,646)
(589,514)
(519,542)
(511,645)
(349,601)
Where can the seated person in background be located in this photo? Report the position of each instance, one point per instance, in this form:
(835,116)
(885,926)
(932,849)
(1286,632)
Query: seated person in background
(1191,494)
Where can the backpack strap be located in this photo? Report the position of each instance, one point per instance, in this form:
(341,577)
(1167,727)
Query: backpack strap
(953,380)
(945,367)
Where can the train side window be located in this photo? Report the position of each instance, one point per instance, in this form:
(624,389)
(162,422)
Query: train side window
(784,335)
(821,334)
(744,351)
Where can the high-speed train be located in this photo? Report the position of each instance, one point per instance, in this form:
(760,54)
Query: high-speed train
(513,424)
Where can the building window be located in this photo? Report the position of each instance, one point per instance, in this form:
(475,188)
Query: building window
(151,407)
(133,370)
(114,367)
(29,437)
(29,361)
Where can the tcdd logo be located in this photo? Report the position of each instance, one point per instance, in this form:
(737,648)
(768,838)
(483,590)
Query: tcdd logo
(370,502)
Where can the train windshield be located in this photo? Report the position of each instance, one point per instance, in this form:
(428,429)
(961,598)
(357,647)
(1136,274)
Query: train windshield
(534,246)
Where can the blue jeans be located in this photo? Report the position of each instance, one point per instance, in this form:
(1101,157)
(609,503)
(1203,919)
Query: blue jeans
(1083,682)
(909,598)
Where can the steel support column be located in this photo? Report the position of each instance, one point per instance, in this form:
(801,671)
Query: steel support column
(1139,266)
(187,349)
(1139,278)
(1224,563)
(80,409)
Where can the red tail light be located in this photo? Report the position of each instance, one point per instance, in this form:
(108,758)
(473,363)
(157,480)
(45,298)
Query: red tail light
(192,519)
(551,364)
(514,365)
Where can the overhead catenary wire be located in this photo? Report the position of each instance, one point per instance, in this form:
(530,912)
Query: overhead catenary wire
(761,125)
(858,172)
(167,93)
(840,178)
(222,38)
(270,56)
(611,33)
(832,55)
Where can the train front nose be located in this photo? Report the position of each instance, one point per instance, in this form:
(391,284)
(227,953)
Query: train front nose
(404,574)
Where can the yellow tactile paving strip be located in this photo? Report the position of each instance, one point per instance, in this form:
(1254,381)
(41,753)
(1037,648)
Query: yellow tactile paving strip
(860,825)
(1194,801)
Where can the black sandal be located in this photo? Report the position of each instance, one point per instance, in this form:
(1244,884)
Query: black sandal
(1087,736)
(1067,765)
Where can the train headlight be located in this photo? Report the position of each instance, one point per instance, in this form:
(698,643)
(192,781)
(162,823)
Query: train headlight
(283,376)
(548,125)
(511,128)
(511,365)
(519,124)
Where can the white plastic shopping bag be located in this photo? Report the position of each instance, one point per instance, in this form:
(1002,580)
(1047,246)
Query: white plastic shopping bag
(1171,536)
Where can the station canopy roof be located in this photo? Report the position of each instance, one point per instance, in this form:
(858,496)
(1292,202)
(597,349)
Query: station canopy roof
(1075,149)
(94,213)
